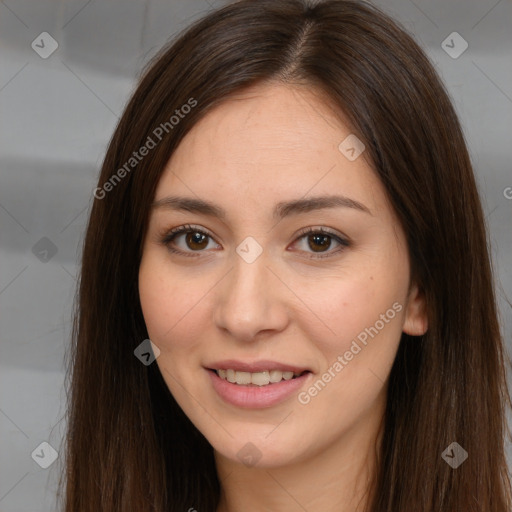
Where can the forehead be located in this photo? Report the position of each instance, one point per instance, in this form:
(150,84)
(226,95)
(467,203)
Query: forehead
(271,142)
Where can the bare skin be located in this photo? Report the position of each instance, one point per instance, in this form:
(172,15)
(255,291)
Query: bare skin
(301,301)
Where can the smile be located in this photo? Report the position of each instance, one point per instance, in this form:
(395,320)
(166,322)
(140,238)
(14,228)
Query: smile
(263,378)
(257,390)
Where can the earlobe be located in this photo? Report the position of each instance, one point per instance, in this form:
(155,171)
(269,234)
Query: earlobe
(416,320)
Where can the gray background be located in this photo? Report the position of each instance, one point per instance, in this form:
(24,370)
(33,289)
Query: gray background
(56,118)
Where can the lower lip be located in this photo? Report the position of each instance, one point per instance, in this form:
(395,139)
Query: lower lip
(256,397)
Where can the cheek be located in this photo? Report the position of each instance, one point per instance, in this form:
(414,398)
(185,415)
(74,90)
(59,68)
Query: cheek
(173,305)
(345,306)
(171,308)
(361,315)
(356,360)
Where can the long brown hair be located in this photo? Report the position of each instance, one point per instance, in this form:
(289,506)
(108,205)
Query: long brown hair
(129,446)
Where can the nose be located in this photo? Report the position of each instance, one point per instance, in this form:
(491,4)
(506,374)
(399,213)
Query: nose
(250,300)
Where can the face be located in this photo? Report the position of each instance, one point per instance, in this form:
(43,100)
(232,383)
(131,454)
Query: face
(269,281)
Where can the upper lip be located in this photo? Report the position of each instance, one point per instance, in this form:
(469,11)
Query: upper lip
(255,366)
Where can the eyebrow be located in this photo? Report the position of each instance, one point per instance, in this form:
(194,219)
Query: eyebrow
(281,210)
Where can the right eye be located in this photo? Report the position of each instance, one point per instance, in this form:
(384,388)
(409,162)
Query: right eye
(196,239)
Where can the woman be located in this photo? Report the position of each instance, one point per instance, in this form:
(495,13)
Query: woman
(287,210)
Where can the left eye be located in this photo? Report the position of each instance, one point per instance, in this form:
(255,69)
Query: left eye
(318,240)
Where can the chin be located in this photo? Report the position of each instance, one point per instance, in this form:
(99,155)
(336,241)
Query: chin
(260,451)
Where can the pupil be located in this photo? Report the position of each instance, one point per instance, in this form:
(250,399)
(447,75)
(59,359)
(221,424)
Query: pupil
(322,240)
(196,238)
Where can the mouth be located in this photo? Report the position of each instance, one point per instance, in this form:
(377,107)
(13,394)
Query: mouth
(257,384)
(256,379)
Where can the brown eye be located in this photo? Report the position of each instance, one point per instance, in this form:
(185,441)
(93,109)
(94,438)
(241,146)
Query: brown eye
(196,240)
(318,243)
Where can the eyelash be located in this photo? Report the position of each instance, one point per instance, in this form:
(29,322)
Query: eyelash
(168,236)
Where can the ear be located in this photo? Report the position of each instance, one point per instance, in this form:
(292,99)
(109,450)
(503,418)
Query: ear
(416,320)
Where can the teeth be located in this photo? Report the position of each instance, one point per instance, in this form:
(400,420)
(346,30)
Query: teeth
(276,376)
(243,378)
(257,378)
(260,378)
